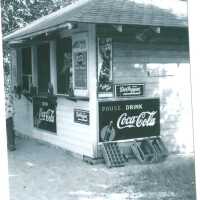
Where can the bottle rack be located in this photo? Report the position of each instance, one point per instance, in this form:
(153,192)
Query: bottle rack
(112,155)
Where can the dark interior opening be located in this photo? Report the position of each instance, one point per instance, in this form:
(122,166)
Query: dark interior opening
(43,55)
(64,65)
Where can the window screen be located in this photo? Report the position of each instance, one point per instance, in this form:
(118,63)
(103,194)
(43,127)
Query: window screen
(26,69)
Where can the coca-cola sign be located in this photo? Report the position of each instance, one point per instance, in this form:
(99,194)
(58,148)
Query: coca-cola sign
(122,120)
(44,113)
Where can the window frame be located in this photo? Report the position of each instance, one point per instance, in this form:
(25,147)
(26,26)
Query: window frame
(23,74)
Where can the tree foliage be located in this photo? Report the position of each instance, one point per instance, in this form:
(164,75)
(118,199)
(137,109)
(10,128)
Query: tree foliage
(18,13)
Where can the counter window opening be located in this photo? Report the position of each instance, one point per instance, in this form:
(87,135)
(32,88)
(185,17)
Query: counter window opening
(26,69)
(64,66)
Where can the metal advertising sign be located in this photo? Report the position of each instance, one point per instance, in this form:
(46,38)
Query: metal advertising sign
(122,120)
(105,88)
(81,116)
(44,113)
(128,90)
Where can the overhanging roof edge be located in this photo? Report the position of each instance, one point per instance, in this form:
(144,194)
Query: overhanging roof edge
(43,24)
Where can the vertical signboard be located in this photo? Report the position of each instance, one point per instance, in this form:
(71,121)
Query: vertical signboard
(80,62)
(122,120)
(44,113)
(105,87)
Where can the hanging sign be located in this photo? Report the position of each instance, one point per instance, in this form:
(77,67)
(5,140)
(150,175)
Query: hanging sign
(44,113)
(81,116)
(122,120)
(129,90)
(105,88)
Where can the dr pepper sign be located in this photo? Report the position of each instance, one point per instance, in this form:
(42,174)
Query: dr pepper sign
(122,120)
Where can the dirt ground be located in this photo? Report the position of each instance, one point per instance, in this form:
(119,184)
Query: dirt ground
(41,172)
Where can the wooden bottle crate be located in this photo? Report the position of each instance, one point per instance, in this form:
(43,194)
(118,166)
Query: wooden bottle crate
(149,150)
(143,151)
(160,149)
(112,155)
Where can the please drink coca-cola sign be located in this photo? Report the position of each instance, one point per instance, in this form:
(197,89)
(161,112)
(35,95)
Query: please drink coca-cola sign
(122,120)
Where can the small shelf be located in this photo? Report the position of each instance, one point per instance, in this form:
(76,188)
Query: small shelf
(73,98)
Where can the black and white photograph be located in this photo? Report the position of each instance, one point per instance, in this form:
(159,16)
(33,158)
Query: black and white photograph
(98,100)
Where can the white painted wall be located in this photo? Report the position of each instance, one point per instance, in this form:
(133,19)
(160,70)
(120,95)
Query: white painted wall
(72,136)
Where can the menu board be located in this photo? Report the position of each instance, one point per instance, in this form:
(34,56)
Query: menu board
(80,63)
(122,120)
(44,113)
(80,69)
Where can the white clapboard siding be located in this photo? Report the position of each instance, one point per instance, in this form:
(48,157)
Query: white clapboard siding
(77,136)
(72,136)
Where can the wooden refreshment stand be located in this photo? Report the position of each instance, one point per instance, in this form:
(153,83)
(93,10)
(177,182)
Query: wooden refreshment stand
(100,66)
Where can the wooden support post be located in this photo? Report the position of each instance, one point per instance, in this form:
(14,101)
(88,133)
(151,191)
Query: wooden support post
(53,68)
(93,105)
(19,66)
(14,67)
(34,66)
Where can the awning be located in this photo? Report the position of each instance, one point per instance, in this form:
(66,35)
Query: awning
(131,12)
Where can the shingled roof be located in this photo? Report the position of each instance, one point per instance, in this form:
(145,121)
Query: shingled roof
(133,12)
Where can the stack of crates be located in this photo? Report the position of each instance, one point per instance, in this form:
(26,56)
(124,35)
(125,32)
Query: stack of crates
(112,155)
(149,150)
(143,151)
